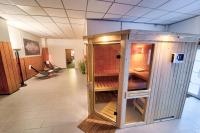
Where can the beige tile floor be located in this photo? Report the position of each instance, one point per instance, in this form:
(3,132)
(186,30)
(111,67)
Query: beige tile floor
(56,105)
(59,104)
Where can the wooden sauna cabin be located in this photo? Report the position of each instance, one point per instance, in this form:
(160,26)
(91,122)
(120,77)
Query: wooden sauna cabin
(138,77)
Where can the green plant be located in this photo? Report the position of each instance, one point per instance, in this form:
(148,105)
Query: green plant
(82,67)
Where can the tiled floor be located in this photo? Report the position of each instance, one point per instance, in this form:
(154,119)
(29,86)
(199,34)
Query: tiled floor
(59,104)
(56,105)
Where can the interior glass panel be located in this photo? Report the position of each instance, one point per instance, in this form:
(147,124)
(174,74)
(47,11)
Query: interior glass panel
(139,68)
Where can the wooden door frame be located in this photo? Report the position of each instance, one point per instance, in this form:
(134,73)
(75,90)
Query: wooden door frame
(123,81)
(90,76)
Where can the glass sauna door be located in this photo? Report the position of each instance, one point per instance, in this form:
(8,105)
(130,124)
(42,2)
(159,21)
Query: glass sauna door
(194,87)
(106,79)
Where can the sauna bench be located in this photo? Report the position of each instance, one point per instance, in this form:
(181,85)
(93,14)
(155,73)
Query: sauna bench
(113,85)
(140,105)
(143,75)
(106,73)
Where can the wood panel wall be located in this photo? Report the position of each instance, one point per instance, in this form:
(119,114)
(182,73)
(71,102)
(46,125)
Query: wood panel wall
(105,58)
(169,82)
(35,61)
(140,56)
(9,70)
(9,76)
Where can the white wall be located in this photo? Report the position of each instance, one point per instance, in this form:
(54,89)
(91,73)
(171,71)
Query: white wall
(99,26)
(17,36)
(57,50)
(140,26)
(96,27)
(43,42)
(191,26)
(4,36)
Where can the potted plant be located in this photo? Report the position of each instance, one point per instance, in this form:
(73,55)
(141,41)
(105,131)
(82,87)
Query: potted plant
(82,67)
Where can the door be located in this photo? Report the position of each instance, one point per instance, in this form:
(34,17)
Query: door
(70,62)
(106,79)
(194,87)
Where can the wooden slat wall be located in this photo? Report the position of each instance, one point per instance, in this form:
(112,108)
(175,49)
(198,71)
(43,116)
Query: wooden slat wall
(169,82)
(105,58)
(3,80)
(187,77)
(8,67)
(36,62)
(140,60)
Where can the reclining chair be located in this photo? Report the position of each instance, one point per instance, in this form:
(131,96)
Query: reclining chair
(52,67)
(43,73)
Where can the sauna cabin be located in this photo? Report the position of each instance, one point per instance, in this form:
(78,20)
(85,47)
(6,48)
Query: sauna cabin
(138,77)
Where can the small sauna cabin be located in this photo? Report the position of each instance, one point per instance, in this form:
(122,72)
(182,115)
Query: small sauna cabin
(138,77)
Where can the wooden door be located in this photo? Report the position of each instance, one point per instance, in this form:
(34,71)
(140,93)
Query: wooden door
(68,54)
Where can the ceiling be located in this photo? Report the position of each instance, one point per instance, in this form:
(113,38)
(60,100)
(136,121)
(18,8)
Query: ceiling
(66,18)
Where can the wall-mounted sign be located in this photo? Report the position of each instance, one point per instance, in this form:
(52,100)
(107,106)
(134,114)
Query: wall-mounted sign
(177,57)
(31,47)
